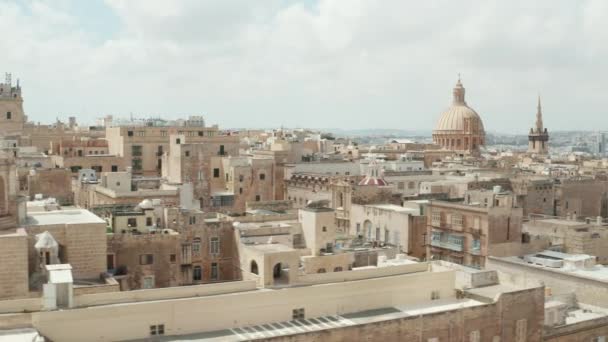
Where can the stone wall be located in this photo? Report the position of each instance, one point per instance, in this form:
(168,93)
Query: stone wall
(456,325)
(83,246)
(14,265)
(56,183)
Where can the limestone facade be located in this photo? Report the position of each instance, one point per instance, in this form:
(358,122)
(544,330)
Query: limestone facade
(14,276)
(12,117)
(463,233)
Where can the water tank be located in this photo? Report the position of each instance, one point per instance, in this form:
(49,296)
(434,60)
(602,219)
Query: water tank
(497,189)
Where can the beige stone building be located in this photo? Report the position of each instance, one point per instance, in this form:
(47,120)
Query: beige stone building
(464,233)
(389,224)
(571,236)
(143,146)
(121,188)
(536,195)
(199,162)
(14,275)
(247,179)
(55,183)
(460,128)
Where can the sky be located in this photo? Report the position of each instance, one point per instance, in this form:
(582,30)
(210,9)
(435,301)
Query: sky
(350,64)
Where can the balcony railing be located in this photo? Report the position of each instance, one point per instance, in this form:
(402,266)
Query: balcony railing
(447,245)
(475,251)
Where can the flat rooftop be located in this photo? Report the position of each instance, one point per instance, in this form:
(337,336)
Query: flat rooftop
(308,325)
(596,272)
(71,216)
(560,222)
(271,248)
(393,207)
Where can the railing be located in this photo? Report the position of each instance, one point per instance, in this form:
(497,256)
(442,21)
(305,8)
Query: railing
(475,251)
(447,245)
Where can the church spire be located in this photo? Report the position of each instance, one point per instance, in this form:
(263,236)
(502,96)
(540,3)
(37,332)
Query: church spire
(539,117)
(459,93)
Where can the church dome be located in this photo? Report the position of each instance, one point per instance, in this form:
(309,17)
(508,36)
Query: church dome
(459,128)
(455,118)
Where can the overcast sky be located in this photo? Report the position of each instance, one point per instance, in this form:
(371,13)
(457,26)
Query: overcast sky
(327,63)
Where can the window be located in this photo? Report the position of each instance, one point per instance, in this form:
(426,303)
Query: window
(9,115)
(148,282)
(80,153)
(196,246)
(411,185)
(262,176)
(214,245)
(130,133)
(172,258)
(222,151)
(401,185)
(240,190)
(200,133)
(214,271)
(114,168)
(146,259)
(241,178)
(358,228)
(178,141)
(187,153)
(324,229)
(163,133)
(474,336)
(436,218)
(136,164)
(158,329)
(321,270)
(521,327)
(192,220)
(136,150)
(109,261)
(457,220)
(141,133)
(132,222)
(297,314)
(197,274)
(257,198)
(435,295)
(338,269)
(216,173)
(148,221)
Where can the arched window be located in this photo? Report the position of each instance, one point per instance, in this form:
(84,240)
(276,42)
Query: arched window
(338,269)
(321,270)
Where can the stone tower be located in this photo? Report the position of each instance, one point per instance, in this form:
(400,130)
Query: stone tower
(12,118)
(538,139)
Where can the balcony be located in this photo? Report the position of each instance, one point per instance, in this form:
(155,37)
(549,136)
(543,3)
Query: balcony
(447,245)
(475,251)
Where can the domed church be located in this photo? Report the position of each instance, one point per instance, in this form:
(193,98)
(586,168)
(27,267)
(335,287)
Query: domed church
(460,128)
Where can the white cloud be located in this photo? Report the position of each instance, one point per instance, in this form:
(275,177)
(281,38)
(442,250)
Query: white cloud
(335,63)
